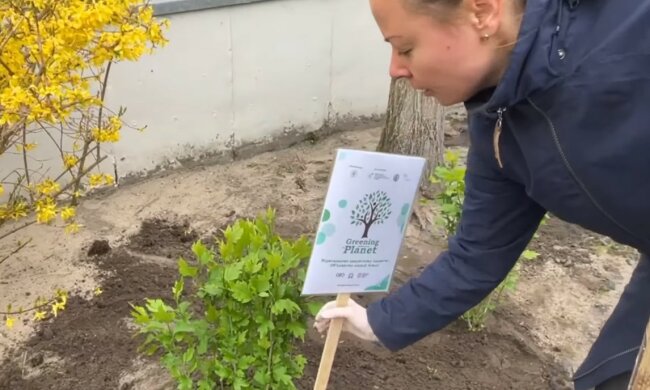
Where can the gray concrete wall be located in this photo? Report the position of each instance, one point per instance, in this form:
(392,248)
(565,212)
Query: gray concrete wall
(242,74)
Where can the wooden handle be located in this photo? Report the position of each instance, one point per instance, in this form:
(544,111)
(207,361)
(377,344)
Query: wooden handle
(331,343)
(641,375)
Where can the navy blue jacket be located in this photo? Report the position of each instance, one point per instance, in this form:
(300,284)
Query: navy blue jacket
(575,141)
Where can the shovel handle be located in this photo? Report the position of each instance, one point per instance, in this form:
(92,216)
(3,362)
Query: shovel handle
(641,374)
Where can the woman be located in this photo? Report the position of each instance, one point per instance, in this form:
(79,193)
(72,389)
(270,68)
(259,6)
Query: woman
(558,95)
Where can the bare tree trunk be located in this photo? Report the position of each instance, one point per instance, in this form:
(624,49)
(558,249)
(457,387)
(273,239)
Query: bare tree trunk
(414,126)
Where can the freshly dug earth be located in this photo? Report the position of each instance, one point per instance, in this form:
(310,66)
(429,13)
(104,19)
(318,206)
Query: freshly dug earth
(452,359)
(133,236)
(90,346)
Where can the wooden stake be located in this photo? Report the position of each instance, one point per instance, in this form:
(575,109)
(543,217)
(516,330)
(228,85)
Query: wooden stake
(331,343)
(641,374)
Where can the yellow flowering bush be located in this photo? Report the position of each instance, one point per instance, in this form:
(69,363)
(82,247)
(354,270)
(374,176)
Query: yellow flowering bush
(55,62)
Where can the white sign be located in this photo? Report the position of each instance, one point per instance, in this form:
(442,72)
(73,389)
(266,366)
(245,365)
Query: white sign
(367,208)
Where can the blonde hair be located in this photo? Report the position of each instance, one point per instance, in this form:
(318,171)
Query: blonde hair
(445,9)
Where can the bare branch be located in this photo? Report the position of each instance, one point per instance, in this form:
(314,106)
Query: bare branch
(20,247)
(19,228)
(31,196)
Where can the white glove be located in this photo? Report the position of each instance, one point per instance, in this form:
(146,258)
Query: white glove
(355,319)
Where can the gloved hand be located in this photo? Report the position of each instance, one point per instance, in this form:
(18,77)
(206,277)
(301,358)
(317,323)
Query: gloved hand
(355,319)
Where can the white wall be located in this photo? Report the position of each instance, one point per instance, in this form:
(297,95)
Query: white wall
(244,74)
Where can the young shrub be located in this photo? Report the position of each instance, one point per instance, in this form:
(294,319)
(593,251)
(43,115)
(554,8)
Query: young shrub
(236,315)
(451,177)
(476,316)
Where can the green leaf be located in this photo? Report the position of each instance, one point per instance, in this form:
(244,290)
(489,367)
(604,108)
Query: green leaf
(185,383)
(243,336)
(262,377)
(227,250)
(177,290)
(530,255)
(203,255)
(252,264)
(186,270)
(188,355)
(221,369)
(314,307)
(302,248)
(211,314)
(280,375)
(160,311)
(164,316)
(234,233)
(260,283)
(246,361)
(297,329)
(301,362)
(274,260)
(232,272)
(183,307)
(240,383)
(266,327)
(153,348)
(264,343)
(140,315)
(184,327)
(206,384)
(203,344)
(213,289)
(449,208)
(241,292)
(285,305)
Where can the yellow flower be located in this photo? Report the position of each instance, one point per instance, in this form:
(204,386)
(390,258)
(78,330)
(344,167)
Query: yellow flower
(109,179)
(2,189)
(63,295)
(45,210)
(19,210)
(96,179)
(25,147)
(80,38)
(10,322)
(98,291)
(70,160)
(67,213)
(72,228)
(106,135)
(56,307)
(48,187)
(39,315)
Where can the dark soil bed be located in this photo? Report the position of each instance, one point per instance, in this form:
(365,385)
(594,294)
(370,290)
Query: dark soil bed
(90,345)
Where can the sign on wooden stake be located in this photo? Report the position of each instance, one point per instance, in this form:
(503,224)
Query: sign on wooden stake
(367,208)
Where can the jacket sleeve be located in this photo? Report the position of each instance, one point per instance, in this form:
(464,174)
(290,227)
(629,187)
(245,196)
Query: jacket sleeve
(497,222)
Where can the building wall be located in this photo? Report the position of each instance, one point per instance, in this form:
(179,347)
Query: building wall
(236,75)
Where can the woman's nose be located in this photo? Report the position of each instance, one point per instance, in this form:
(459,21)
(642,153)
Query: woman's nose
(398,68)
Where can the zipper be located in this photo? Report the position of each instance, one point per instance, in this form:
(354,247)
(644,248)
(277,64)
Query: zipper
(497,136)
(568,166)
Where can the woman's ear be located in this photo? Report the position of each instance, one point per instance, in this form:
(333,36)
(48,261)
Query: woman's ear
(485,15)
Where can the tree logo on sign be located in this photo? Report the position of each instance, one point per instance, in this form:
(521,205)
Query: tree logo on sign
(373,208)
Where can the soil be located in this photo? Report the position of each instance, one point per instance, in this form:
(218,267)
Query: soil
(133,236)
(91,345)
